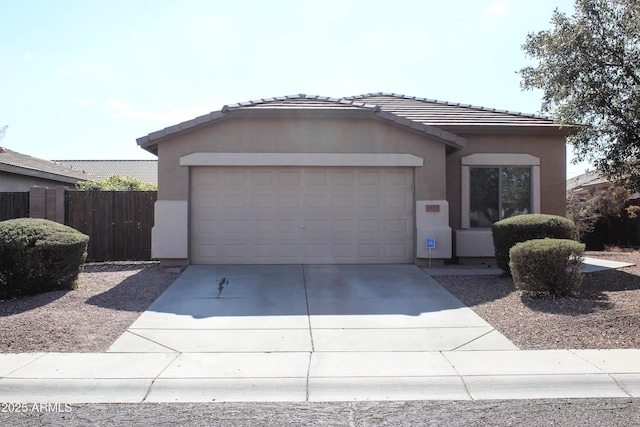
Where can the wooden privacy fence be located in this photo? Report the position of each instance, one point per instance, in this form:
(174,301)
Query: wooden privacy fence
(117,222)
(14,205)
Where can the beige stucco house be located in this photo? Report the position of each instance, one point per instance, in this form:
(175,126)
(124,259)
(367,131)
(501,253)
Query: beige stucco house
(375,178)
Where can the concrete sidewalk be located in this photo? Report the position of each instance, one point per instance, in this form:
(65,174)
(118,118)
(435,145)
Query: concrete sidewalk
(320,376)
(313,333)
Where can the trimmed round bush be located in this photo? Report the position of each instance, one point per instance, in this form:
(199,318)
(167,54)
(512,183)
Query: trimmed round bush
(38,255)
(547,267)
(508,232)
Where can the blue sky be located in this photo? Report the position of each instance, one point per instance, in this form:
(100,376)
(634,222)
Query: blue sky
(84,79)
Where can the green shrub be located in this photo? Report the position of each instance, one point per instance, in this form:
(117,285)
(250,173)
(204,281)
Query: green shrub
(547,266)
(116,183)
(37,255)
(508,232)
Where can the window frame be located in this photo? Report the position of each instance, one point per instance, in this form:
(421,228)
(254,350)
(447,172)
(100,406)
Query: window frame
(497,160)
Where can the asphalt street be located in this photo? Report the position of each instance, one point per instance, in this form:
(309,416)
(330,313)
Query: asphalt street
(550,412)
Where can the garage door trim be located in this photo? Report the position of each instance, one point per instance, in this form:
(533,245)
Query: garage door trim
(303,214)
(301,159)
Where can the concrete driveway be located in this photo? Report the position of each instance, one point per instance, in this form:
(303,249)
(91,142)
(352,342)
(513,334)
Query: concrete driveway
(308,308)
(313,333)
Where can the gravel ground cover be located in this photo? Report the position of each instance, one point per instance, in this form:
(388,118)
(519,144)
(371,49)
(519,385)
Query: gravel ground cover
(605,315)
(111,296)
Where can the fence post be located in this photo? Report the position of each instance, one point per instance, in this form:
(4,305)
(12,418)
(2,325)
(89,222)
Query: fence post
(59,206)
(47,203)
(37,202)
(112,229)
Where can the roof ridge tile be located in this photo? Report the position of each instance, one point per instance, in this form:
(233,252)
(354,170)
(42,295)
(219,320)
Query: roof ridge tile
(453,104)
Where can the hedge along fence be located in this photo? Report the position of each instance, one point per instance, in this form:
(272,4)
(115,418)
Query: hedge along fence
(38,255)
(508,232)
(550,267)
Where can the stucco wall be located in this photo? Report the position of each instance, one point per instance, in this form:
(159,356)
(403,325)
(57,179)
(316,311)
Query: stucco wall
(438,180)
(310,135)
(10,182)
(550,149)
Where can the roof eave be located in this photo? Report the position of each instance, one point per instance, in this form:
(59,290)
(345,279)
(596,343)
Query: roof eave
(547,129)
(150,142)
(4,167)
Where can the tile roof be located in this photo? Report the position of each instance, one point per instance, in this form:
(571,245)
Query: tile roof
(441,113)
(587,179)
(142,170)
(14,162)
(303,102)
(435,118)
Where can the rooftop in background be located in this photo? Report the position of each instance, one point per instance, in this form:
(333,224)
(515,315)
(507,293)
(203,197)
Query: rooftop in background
(589,182)
(23,164)
(585,181)
(142,170)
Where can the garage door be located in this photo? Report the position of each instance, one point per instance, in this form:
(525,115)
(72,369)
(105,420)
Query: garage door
(290,215)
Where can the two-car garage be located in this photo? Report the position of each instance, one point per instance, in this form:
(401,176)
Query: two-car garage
(375,178)
(301,214)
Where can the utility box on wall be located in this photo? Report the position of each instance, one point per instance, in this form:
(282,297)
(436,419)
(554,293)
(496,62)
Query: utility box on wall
(432,222)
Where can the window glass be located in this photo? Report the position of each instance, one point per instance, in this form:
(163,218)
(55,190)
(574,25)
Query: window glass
(484,196)
(498,193)
(515,191)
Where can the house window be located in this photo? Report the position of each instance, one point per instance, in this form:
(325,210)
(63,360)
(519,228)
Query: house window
(497,186)
(497,193)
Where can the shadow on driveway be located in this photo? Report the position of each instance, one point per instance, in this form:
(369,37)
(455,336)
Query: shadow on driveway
(296,290)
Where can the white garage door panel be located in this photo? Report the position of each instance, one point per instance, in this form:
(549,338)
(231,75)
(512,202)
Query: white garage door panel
(260,215)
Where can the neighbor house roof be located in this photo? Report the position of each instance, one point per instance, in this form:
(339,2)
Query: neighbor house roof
(591,181)
(585,181)
(436,119)
(23,164)
(142,170)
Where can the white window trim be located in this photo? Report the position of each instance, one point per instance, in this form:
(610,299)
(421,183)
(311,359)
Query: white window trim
(301,159)
(498,160)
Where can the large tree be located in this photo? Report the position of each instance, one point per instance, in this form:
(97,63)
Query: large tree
(589,70)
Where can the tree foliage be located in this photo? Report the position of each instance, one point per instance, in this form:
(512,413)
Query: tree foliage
(585,210)
(116,183)
(589,71)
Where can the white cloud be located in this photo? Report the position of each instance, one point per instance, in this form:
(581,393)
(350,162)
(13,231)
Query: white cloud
(497,8)
(81,101)
(28,57)
(62,70)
